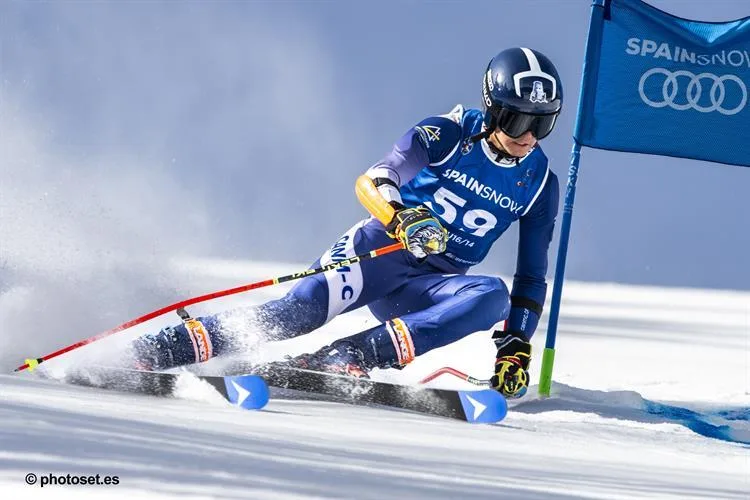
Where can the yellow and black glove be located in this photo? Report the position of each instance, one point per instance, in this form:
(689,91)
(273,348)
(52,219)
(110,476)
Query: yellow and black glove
(511,377)
(420,232)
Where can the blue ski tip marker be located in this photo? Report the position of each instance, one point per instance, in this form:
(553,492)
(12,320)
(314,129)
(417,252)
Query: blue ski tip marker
(247,391)
(483,407)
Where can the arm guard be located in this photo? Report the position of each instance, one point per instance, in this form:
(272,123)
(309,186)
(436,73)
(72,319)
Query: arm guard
(373,201)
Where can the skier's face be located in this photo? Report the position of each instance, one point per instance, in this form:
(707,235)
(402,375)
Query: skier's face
(518,147)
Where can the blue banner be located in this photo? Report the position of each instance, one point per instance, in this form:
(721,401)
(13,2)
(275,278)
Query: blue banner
(658,84)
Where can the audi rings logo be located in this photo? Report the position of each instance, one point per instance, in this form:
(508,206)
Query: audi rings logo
(726,94)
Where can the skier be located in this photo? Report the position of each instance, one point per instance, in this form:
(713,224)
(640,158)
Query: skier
(449,188)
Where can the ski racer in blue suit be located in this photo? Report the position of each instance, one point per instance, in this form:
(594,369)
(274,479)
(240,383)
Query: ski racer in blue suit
(450,187)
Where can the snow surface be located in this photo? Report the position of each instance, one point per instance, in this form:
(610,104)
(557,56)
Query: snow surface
(651,400)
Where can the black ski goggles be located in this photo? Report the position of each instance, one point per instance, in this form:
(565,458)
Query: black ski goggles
(515,124)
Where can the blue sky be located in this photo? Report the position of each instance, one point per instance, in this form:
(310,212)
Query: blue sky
(237,129)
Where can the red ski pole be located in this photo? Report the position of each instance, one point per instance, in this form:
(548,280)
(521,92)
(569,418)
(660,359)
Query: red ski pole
(455,373)
(32,363)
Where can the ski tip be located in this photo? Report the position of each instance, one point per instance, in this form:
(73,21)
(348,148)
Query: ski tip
(483,407)
(247,391)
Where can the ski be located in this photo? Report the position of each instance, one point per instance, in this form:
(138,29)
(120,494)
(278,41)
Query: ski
(250,391)
(245,391)
(478,406)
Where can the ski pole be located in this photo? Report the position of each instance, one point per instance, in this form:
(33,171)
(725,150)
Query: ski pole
(455,373)
(32,363)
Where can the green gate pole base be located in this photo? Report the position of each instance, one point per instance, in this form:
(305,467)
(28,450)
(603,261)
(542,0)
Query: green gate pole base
(545,379)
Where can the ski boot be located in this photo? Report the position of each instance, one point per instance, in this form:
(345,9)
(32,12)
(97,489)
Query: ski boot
(340,358)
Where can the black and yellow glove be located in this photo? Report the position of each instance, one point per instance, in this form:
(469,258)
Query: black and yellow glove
(420,232)
(511,377)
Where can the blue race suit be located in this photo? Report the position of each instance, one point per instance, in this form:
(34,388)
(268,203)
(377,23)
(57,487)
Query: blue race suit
(429,303)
